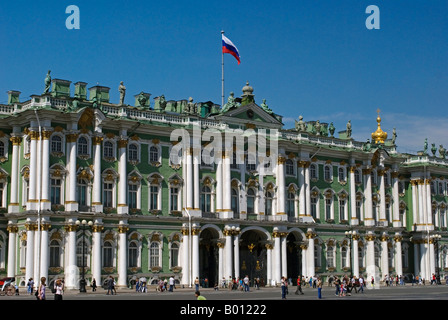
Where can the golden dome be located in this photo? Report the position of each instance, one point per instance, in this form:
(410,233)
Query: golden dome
(379,136)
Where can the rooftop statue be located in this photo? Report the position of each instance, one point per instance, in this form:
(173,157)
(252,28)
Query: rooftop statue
(230,103)
(331,128)
(394,136)
(433,149)
(142,100)
(265,107)
(442,151)
(122,90)
(300,125)
(47,82)
(349,129)
(367,146)
(162,102)
(425,147)
(317,126)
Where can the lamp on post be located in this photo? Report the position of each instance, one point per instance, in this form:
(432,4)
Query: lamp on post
(83,224)
(349,234)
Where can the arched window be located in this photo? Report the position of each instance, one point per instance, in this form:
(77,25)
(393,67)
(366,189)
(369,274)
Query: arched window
(344,257)
(132,152)
(82,192)
(55,254)
(153,154)
(56,143)
(235,200)
(206,199)
(330,257)
(327,173)
(313,171)
(174,254)
(290,204)
(133,255)
(289,165)
(357,176)
(83,146)
(108,151)
(55,190)
(250,200)
(341,174)
(268,202)
(154,255)
(108,255)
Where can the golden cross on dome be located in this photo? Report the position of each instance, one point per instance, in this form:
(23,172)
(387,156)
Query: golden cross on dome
(378,111)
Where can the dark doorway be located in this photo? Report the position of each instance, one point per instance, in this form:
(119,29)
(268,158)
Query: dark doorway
(253,262)
(208,258)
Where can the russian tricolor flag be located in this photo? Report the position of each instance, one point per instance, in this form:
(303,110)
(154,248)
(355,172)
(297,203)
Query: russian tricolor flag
(229,47)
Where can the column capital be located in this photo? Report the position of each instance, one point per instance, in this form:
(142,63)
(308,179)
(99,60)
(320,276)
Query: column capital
(12,228)
(96,140)
(97,228)
(16,141)
(71,137)
(122,143)
(123,229)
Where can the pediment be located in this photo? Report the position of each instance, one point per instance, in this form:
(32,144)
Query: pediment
(250,114)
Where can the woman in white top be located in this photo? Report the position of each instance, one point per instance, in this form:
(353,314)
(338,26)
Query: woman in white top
(59,289)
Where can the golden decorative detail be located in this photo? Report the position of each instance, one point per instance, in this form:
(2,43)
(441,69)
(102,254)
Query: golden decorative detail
(281,160)
(123,229)
(110,135)
(56,235)
(12,228)
(394,174)
(16,141)
(86,119)
(122,143)
(85,175)
(250,126)
(70,227)
(384,237)
(310,235)
(251,247)
(195,231)
(370,237)
(34,135)
(379,136)
(96,140)
(45,226)
(366,171)
(58,129)
(269,246)
(71,137)
(97,228)
(155,141)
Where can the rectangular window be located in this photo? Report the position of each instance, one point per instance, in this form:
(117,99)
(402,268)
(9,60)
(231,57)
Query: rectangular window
(341,210)
(107,195)
(154,197)
(328,209)
(174,197)
(1,194)
(314,207)
(55,191)
(132,194)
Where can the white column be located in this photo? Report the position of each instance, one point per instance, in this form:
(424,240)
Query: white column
(423,260)
(221,263)
(196,183)
(30,230)
(382,218)
(227,189)
(301,171)
(429,222)
(122,207)
(236,253)
(195,252)
(384,256)
(396,201)
(219,182)
(71,204)
(14,198)
(45,175)
(269,247)
(371,268)
(281,190)
(355,255)
(352,196)
(414,201)
(304,248)
(284,255)
(421,207)
(398,259)
(277,258)
(310,256)
(12,247)
(96,203)
(32,186)
(44,249)
(186,273)
(228,248)
(122,256)
(307,189)
(432,260)
(189,182)
(96,253)
(368,198)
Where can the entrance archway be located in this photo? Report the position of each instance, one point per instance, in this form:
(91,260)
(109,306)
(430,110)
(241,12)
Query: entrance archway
(294,255)
(208,257)
(253,255)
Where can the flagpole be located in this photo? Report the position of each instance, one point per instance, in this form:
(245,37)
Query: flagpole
(222,79)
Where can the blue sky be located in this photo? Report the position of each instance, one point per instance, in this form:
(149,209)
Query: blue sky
(305,57)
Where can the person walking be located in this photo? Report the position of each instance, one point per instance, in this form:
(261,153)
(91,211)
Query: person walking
(361,284)
(196,283)
(246,283)
(30,285)
(283,286)
(110,286)
(319,288)
(93,285)
(59,289)
(40,294)
(171,282)
(299,285)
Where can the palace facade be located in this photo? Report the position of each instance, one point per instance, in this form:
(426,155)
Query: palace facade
(89,188)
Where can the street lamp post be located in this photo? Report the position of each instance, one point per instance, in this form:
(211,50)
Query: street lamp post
(83,224)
